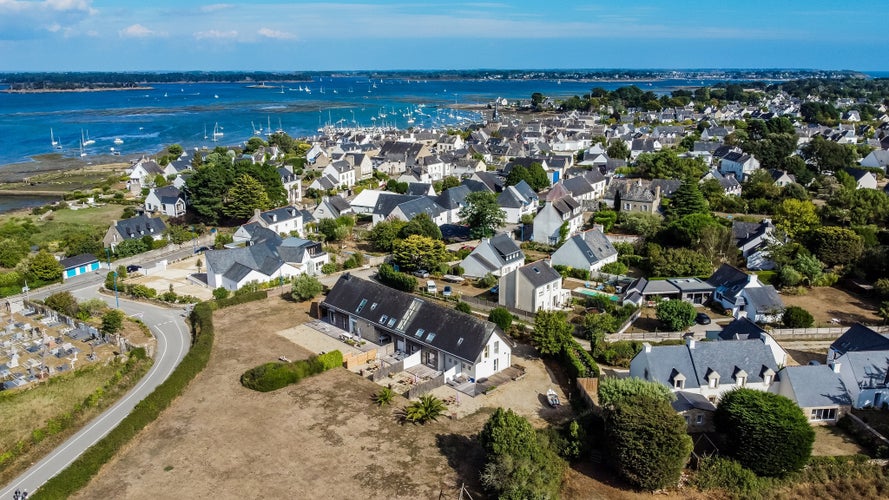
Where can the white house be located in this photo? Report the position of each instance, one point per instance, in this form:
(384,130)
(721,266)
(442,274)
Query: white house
(284,220)
(459,346)
(548,224)
(167,200)
(739,164)
(533,287)
(819,390)
(342,171)
(517,201)
(863,178)
(708,369)
(878,158)
(132,229)
(589,250)
(498,255)
(744,295)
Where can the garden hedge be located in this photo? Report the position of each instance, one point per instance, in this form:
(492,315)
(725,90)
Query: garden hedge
(276,375)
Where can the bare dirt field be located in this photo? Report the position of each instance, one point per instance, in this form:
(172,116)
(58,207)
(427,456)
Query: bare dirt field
(176,275)
(827,303)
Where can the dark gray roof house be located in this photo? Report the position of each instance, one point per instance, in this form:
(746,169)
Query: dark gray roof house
(134,228)
(447,339)
(858,338)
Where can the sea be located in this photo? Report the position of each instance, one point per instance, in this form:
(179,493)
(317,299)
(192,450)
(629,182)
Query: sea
(199,115)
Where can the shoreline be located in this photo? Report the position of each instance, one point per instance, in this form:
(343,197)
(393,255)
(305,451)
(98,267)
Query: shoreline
(61,91)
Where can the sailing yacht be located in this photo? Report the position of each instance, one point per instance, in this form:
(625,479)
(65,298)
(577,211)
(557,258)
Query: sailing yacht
(88,141)
(82,152)
(217,132)
(55,143)
(118,140)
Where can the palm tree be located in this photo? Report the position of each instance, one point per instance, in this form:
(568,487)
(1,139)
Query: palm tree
(384,397)
(427,408)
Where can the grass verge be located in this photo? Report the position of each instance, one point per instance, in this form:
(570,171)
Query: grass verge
(38,419)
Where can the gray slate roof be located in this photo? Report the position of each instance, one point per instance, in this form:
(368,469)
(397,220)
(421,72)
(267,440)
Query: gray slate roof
(139,226)
(78,260)
(461,335)
(815,386)
(860,338)
(696,364)
(539,273)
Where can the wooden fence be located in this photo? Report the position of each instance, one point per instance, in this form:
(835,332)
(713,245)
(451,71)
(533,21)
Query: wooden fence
(351,361)
(424,387)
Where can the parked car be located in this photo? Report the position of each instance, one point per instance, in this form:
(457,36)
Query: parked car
(495,290)
(702,319)
(447,291)
(422,273)
(201,249)
(430,287)
(133,268)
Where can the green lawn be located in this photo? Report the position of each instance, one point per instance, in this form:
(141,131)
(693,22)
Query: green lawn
(54,227)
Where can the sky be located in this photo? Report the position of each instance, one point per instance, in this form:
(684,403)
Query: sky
(272,35)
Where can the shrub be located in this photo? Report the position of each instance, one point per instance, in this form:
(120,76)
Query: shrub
(384,397)
(676,315)
(765,432)
(729,475)
(463,307)
(275,375)
(501,317)
(305,288)
(397,280)
(797,317)
(427,408)
(615,268)
(487,281)
(519,462)
(221,293)
(62,302)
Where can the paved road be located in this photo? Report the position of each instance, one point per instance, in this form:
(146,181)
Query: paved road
(173,340)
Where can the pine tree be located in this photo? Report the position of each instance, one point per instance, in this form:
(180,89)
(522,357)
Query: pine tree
(687,200)
(246,195)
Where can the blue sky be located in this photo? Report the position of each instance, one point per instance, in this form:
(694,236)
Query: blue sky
(158,35)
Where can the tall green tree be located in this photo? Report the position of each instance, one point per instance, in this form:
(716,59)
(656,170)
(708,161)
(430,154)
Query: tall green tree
(419,252)
(482,214)
(112,321)
(244,197)
(423,225)
(551,331)
(766,432)
(384,234)
(44,266)
(836,245)
(613,390)
(534,175)
(618,150)
(519,462)
(647,441)
(688,200)
(796,218)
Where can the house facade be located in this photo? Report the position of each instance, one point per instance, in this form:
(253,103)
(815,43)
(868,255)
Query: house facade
(533,287)
(819,390)
(499,255)
(283,220)
(744,295)
(589,250)
(132,229)
(549,222)
(447,340)
(79,264)
(708,369)
(167,200)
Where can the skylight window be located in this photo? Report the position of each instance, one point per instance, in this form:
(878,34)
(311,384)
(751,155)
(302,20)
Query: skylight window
(460,341)
(373,306)
(361,305)
(391,322)
(383,319)
(430,336)
(420,332)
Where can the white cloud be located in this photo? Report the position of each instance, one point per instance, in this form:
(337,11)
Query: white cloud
(21,19)
(278,35)
(216,7)
(216,35)
(137,31)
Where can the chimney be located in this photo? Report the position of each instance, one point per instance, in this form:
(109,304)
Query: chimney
(690,342)
(256,212)
(657,192)
(835,366)
(646,347)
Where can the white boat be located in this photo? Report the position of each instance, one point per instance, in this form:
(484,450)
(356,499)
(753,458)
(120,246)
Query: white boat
(553,398)
(215,96)
(55,142)
(82,152)
(88,141)
(117,140)
(115,152)
(217,132)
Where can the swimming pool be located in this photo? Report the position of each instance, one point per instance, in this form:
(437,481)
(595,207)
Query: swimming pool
(588,291)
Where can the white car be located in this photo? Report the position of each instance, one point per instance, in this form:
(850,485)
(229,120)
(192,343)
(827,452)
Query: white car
(430,287)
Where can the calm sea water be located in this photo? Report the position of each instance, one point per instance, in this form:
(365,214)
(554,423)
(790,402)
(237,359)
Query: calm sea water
(10,203)
(148,120)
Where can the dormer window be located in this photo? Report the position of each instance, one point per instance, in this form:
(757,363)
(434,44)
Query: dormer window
(768,376)
(713,379)
(679,381)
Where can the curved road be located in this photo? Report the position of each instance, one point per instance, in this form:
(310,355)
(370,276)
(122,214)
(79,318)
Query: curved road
(173,340)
